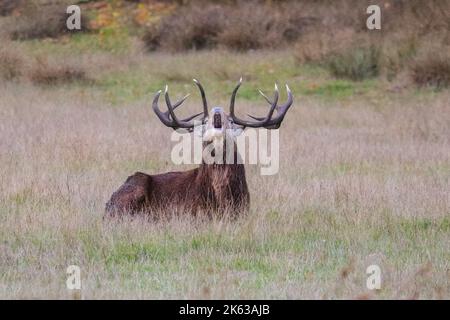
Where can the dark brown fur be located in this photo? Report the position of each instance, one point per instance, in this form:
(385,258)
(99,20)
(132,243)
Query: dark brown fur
(209,188)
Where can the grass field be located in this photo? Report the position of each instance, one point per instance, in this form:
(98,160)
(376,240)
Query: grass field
(364,179)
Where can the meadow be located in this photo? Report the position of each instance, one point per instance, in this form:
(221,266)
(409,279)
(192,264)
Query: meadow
(363,180)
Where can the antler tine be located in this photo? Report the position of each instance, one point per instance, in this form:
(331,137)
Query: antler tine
(281,111)
(177,122)
(256,118)
(265,97)
(176,105)
(272,104)
(285,107)
(163,116)
(233,97)
(202,92)
(192,117)
(289,101)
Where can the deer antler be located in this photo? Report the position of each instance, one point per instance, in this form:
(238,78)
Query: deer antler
(169,118)
(266,122)
(202,93)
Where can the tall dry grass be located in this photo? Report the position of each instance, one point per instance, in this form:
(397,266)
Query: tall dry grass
(363,179)
(359,184)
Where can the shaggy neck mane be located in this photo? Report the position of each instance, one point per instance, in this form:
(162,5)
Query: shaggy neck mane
(223,182)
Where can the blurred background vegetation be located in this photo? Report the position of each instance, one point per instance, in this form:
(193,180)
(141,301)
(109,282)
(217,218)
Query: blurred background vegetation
(320,37)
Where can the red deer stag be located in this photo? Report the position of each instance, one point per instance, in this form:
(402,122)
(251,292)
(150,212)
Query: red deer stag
(218,187)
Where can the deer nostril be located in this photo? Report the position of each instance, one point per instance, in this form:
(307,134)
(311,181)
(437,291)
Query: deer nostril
(217,121)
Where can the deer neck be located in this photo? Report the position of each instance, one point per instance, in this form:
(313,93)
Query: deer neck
(220,153)
(223,183)
(228,166)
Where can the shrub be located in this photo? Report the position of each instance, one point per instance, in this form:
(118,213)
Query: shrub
(191,27)
(152,38)
(8,6)
(43,21)
(243,26)
(11,61)
(396,53)
(252,27)
(44,73)
(432,69)
(317,45)
(356,63)
(343,45)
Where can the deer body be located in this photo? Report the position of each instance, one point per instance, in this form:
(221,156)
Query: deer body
(218,187)
(209,188)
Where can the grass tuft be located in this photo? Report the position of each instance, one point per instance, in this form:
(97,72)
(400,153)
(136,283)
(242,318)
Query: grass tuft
(355,63)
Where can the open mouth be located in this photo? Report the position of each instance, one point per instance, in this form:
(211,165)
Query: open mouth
(217,121)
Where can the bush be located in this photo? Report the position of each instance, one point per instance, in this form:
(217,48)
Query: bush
(8,6)
(44,73)
(343,44)
(254,26)
(15,66)
(356,64)
(192,27)
(243,26)
(41,21)
(11,61)
(432,69)
(397,53)
(317,45)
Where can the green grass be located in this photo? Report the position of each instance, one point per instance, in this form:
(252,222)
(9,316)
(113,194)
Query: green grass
(133,80)
(108,41)
(135,84)
(126,87)
(337,89)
